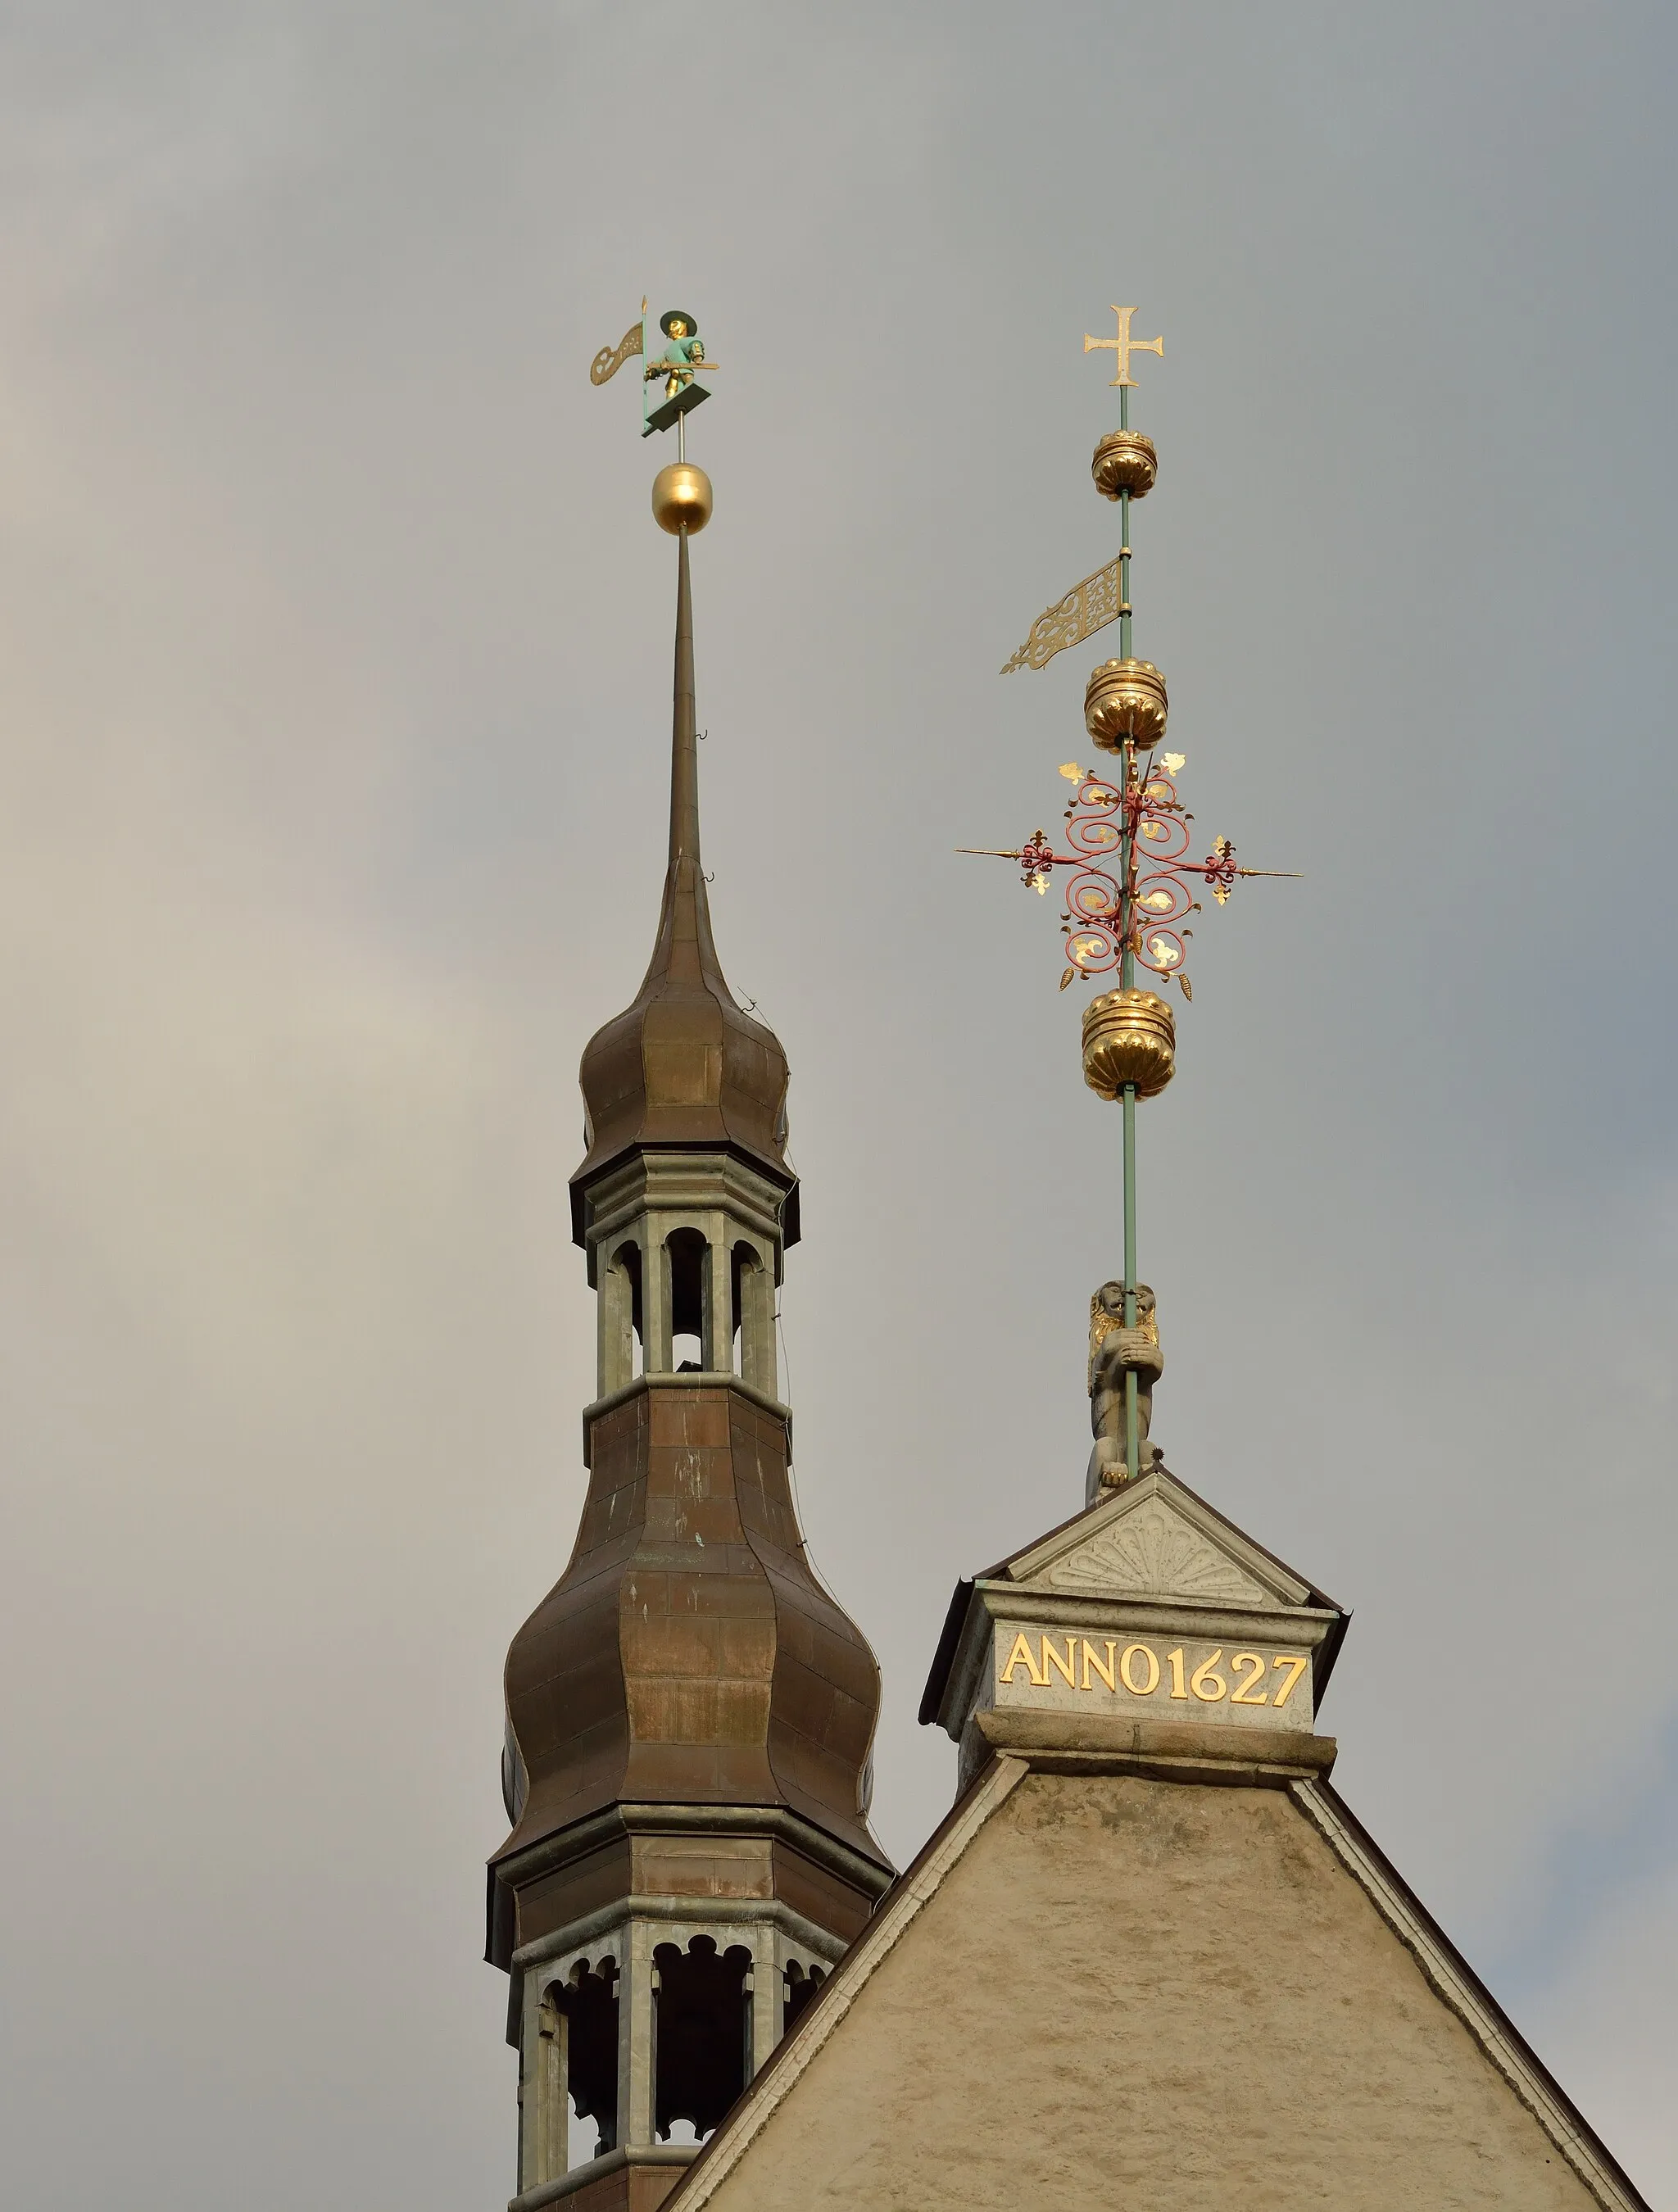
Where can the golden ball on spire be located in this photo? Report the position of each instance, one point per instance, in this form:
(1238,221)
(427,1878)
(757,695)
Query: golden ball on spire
(681,498)
(1125,461)
(1125,699)
(1128,1037)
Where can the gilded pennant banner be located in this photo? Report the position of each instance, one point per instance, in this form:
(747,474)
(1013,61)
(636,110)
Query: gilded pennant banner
(1086,608)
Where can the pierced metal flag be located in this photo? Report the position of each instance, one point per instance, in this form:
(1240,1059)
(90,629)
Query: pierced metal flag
(610,359)
(1086,608)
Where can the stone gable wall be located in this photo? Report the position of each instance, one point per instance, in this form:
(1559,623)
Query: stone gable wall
(1169,1996)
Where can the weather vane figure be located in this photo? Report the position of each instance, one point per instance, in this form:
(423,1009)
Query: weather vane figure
(1126,906)
(681,493)
(679,365)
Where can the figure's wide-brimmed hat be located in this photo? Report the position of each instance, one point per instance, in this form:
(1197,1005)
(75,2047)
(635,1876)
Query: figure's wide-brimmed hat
(678,315)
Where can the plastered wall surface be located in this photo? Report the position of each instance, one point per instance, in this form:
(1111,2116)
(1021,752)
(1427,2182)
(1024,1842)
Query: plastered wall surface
(1173,1995)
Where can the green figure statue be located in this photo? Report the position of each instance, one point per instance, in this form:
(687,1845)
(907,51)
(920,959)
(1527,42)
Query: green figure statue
(683,354)
(682,357)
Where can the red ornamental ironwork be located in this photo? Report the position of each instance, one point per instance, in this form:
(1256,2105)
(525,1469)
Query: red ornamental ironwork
(1160,898)
(1158,893)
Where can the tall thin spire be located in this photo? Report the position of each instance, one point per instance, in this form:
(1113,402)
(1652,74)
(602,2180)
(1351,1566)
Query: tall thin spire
(684,746)
(685,1064)
(684,952)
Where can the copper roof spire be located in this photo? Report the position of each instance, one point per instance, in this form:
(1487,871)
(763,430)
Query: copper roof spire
(685,1064)
(684,947)
(689,1712)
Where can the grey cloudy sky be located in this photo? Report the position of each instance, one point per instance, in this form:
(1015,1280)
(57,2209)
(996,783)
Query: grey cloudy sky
(334,684)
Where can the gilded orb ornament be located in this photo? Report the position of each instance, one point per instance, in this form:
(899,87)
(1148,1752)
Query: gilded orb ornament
(1128,1037)
(681,498)
(1125,461)
(1125,700)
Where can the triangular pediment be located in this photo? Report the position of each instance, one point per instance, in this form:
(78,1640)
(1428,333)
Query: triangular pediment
(1155,1539)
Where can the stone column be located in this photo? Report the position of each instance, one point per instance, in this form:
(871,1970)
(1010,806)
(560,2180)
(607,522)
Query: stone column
(758,1361)
(765,1998)
(719,1342)
(614,1308)
(637,2055)
(542,2145)
(655,1296)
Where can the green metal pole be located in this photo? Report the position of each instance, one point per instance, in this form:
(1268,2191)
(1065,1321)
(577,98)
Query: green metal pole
(1128,979)
(1124,540)
(1132,1414)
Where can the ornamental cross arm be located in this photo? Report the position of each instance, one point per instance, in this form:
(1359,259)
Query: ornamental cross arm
(1133,878)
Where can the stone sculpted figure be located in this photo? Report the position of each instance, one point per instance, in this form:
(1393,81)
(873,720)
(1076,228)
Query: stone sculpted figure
(1115,1352)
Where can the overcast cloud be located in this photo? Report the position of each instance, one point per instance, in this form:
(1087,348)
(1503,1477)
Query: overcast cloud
(334,710)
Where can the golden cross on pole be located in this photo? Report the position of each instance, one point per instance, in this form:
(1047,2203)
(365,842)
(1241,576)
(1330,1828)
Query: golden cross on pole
(1124,345)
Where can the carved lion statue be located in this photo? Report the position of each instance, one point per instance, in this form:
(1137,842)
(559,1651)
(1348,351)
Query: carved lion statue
(1115,1352)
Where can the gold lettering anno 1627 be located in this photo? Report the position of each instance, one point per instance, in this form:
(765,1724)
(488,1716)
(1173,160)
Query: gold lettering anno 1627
(1105,1664)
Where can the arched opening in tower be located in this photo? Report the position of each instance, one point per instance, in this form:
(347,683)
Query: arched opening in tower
(799,1987)
(589,2002)
(690,1285)
(702,2020)
(628,1257)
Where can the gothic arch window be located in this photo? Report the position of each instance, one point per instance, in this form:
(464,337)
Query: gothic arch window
(587,2002)
(688,1260)
(703,2027)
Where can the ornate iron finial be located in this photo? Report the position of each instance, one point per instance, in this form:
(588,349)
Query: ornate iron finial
(1132,890)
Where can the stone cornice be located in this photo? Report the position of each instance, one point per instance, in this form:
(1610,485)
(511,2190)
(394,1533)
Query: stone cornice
(1161,1751)
(775,1821)
(687,1911)
(597,2169)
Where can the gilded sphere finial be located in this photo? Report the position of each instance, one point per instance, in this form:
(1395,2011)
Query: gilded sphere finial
(1125,699)
(681,498)
(1128,1037)
(1125,461)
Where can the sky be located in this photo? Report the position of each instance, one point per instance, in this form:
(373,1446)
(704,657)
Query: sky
(334,698)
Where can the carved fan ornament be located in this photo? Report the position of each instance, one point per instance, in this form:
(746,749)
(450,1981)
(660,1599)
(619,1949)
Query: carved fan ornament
(1154,1555)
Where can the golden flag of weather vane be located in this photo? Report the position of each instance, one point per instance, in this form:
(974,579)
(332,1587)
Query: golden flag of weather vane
(1124,469)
